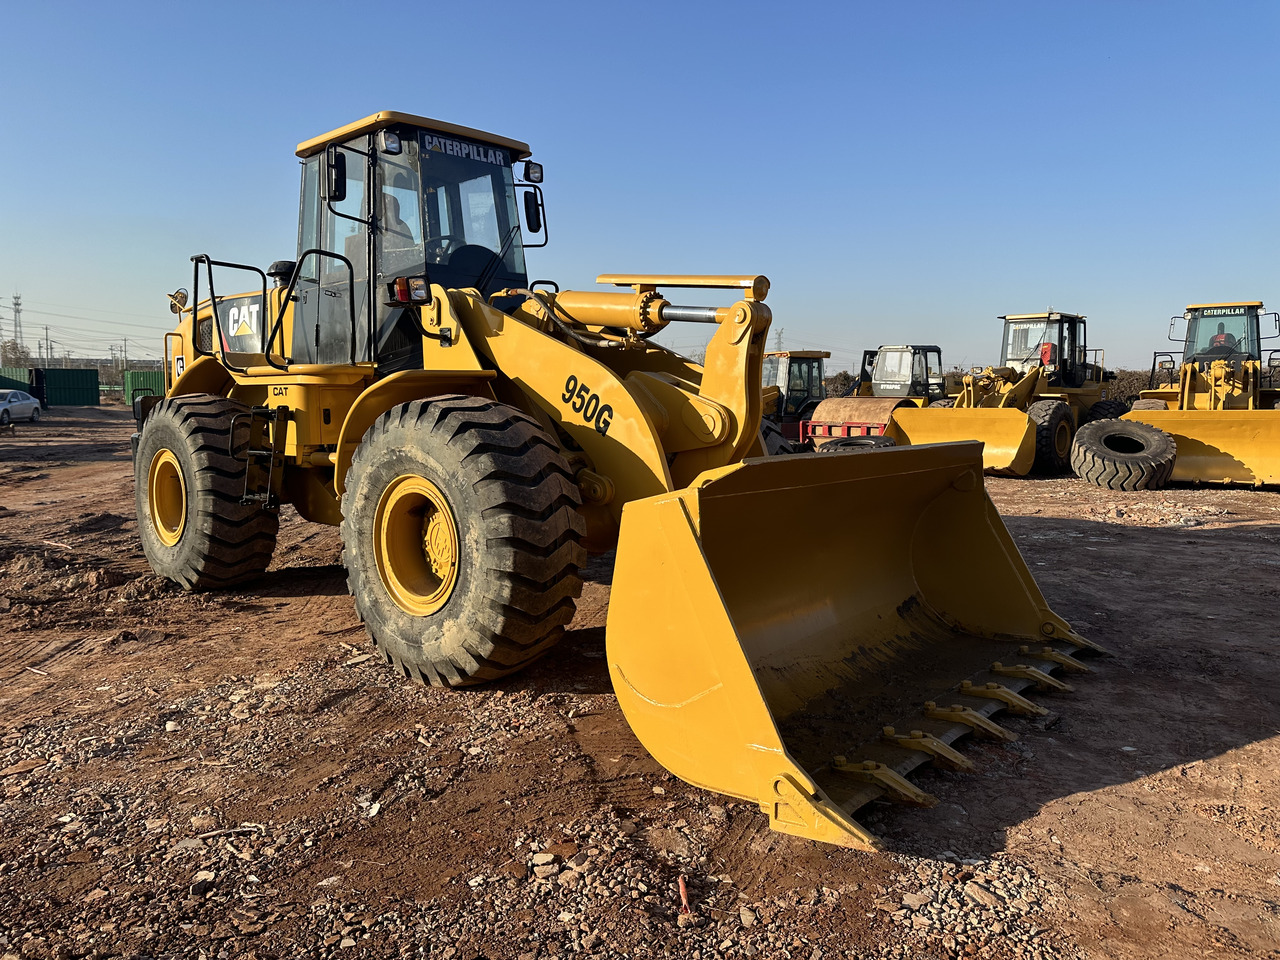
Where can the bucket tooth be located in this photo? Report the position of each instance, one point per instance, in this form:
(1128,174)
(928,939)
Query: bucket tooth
(941,753)
(1014,703)
(895,786)
(1064,660)
(970,718)
(1037,676)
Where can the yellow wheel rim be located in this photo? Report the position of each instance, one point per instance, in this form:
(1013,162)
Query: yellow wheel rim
(415,542)
(167,497)
(1062,439)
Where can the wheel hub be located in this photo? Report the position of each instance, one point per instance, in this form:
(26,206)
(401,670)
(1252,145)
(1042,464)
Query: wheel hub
(167,497)
(416,545)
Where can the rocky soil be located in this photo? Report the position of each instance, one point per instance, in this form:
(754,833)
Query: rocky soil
(238,775)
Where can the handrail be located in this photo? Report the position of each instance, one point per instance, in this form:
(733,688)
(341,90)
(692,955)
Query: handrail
(276,328)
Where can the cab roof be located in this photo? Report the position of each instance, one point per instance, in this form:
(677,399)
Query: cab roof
(388,118)
(1052,315)
(801,354)
(1236,303)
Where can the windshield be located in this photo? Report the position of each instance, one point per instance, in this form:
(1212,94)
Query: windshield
(1029,343)
(448,209)
(892,366)
(1221,333)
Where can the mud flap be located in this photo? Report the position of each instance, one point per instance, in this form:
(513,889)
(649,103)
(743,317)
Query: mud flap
(1220,446)
(1008,436)
(768,622)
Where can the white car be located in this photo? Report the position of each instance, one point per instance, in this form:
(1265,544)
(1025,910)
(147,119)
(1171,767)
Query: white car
(16,405)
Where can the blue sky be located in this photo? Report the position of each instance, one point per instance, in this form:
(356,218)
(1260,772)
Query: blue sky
(902,172)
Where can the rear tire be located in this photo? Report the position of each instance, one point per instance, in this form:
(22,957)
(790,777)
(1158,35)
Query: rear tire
(1149,405)
(194,529)
(1054,432)
(460,536)
(1107,410)
(1123,455)
(35,415)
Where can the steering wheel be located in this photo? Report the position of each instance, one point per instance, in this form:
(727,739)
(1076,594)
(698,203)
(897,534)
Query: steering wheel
(1223,351)
(439,248)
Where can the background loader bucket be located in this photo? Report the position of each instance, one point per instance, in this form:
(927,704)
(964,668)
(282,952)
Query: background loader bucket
(1008,436)
(768,622)
(1220,446)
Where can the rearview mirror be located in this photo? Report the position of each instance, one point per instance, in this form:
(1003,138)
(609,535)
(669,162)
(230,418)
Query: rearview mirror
(532,213)
(335,174)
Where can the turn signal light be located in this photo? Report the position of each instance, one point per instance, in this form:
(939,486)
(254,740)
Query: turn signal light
(411,290)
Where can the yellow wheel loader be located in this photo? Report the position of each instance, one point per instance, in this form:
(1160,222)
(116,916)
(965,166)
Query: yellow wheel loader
(475,434)
(1218,422)
(1027,409)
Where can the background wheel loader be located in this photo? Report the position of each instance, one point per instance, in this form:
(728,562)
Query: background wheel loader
(1025,410)
(1218,422)
(475,434)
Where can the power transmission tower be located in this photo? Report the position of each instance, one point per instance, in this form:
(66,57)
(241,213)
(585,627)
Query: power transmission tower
(17,318)
(777,340)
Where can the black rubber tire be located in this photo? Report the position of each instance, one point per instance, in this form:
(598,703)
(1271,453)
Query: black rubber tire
(772,440)
(1108,409)
(35,415)
(948,402)
(4,418)
(1149,405)
(856,444)
(1123,455)
(223,541)
(1054,431)
(515,510)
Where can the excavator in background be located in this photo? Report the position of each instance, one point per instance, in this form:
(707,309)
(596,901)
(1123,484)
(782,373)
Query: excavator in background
(1027,409)
(475,434)
(890,377)
(1218,422)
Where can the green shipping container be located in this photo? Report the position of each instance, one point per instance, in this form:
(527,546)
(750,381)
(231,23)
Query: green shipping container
(15,378)
(141,383)
(70,388)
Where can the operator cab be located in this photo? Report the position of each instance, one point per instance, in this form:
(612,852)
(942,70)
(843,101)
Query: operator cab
(902,371)
(1222,331)
(390,205)
(798,375)
(1055,342)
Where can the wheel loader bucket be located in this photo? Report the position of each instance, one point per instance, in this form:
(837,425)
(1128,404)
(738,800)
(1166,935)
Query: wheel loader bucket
(1220,446)
(803,631)
(1008,436)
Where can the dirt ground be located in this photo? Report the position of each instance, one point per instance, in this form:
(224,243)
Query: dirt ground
(236,775)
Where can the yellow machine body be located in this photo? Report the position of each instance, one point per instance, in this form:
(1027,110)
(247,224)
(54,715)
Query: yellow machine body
(1221,412)
(772,682)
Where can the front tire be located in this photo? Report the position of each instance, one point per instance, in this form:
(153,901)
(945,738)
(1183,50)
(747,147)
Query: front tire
(1054,432)
(194,529)
(460,536)
(4,418)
